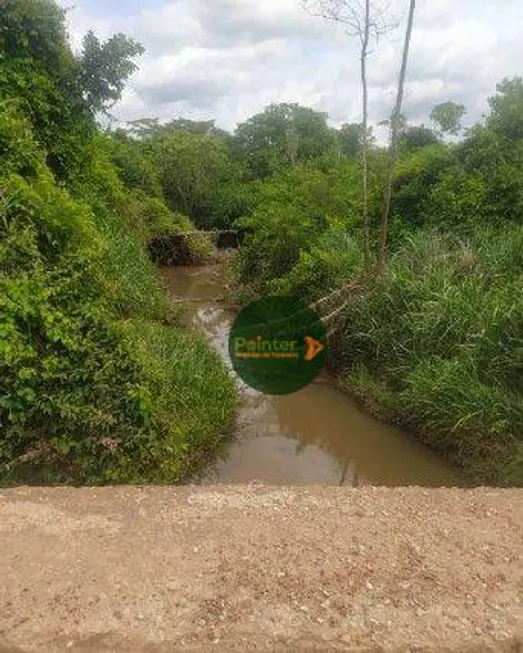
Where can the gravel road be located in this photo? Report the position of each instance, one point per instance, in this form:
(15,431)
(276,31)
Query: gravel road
(255,568)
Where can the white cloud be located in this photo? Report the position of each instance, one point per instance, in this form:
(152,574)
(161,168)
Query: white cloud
(229,58)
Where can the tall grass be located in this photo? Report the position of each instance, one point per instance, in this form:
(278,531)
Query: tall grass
(192,398)
(443,333)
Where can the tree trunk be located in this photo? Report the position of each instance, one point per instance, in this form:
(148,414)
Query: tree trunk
(393,146)
(364,52)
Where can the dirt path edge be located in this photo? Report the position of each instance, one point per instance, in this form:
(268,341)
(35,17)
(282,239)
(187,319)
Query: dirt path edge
(261,568)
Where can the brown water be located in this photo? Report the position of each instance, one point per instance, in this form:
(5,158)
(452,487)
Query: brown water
(317,435)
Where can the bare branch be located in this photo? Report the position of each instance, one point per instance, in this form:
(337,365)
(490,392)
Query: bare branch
(351,13)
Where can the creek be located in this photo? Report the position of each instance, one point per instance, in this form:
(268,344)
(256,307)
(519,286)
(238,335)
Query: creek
(315,436)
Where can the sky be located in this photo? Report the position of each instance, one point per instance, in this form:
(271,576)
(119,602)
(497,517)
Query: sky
(228,59)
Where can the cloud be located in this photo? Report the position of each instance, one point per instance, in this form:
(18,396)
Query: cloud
(227,59)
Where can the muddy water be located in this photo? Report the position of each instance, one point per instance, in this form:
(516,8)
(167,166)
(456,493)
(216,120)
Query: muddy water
(317,435)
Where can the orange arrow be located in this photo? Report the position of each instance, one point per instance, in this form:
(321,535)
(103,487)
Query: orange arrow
(315,348)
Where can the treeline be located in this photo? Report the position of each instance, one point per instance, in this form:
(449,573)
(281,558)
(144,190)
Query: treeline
(436,341)
(98,382)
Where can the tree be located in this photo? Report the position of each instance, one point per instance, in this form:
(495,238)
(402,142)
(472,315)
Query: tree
(144,128)
(410,137)
(506,109)
(150,127)
(284,134)
(350,139)
(417,136)
(194,169)
(364,22)
(447,117)
(105,67)
(135,168)
(393,145)
(401,123)
(59,91)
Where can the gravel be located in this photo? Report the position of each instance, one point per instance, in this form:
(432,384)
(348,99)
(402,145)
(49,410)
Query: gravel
(260,568)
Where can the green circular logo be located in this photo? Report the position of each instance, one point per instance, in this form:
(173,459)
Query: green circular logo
(277,345)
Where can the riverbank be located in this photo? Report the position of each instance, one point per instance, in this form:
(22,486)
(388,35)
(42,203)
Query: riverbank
(260,568)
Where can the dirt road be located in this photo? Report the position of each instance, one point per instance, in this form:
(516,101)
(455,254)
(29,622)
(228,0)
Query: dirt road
(258,568)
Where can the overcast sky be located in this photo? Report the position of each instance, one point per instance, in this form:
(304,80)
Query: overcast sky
(227,59)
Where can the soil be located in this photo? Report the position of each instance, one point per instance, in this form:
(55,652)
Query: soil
(259,568)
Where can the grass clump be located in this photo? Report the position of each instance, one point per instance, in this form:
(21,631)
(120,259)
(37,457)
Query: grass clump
(193,398)
(443,332)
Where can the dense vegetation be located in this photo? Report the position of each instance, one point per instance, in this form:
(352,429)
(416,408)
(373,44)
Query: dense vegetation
(89,391)
(434,343)
(98,383)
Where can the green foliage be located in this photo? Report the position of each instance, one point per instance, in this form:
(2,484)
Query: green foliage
(35,30)
(19,152)
(282,135)
(436,344)
(294,210)
(473,421)
(350,139)
(193,169)
(506,109)
(147,128)
(95,387)
(332,259)
(416,174)
(105,67)
(135,168)
(38,74)
(490,157)
(193,397)
(85,401)
(149,217)
(447,117)
(84,396)
(417,137)
(457,200)
(57,91)
(65,378)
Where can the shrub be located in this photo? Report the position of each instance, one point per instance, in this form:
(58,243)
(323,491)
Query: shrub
(294,210)
(83,398)
(335,258)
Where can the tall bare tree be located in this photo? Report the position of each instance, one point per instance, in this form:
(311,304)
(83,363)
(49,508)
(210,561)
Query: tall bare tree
(393,145)
(367,20)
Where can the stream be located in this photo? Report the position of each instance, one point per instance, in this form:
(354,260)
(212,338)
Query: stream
(315,436)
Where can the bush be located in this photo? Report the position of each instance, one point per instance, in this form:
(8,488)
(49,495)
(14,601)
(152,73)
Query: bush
(334,259)
(19,152)
(83,399)
(294,211)
(134,167)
